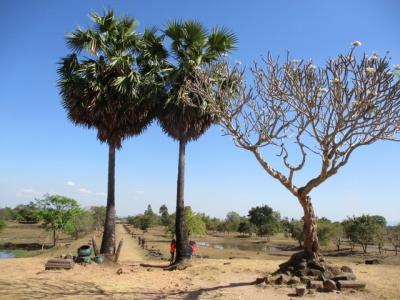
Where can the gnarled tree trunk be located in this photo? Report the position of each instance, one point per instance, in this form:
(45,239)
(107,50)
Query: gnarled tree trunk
(108,242)
(180,225)
(311,243)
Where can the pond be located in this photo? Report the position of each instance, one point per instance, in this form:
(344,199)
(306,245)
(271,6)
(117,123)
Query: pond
(238,246)
(5,254)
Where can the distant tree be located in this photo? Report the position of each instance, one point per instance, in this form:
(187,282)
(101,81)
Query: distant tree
(151,216)
(337,234)
(7,214)
(56,211)
(80,221)
(164,215)
(324,220)
(99,215)
(194,222)
(211,223)
(380,237)
(266,220)
(245,227)
(221,227)
(363,230)
(26,213)
(394,237)
(295,231)
(2,225)
(232,221)
(324,231)
(379,220)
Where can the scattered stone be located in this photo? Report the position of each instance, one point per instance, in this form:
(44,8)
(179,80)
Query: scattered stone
(227,263)
(334,270)
(301,290)
(345,276)
(372,261)
(269,279)
(316,284)
(306,279)
(301,265)
(301,272)
(259,280)
(328,275)
(316,266)
(346,269)
(294,280)
(311,291)
(315,273)
(120,271)
(330,286)
(350,284)
(282,279)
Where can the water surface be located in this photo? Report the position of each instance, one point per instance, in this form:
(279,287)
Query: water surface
(5,255)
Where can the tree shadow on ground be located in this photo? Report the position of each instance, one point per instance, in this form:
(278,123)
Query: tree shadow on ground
(41,289)
(193,295)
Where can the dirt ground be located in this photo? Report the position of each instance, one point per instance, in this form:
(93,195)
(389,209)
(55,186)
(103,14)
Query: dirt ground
(25,278)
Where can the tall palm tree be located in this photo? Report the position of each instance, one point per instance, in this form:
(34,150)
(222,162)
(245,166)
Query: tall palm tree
(192,47)
(103,85)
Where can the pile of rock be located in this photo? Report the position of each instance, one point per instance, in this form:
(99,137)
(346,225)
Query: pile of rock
(155,252)
(309,277)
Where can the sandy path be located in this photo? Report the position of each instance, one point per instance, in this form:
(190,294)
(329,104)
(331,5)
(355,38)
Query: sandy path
(131,251)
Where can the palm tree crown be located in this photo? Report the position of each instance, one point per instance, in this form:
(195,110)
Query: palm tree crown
(192,46)
(105,90)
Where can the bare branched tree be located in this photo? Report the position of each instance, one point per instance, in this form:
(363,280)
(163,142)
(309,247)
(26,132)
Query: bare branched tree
(306,114)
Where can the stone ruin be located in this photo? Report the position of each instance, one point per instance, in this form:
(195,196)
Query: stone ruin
(308,276)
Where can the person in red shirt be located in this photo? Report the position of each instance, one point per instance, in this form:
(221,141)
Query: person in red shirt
(172,248)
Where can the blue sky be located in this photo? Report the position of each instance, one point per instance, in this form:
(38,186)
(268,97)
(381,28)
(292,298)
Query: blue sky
(42,152)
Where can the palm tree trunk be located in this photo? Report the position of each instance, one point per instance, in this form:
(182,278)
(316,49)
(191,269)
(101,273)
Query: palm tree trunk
(180,226)
(54,238)
(108,242)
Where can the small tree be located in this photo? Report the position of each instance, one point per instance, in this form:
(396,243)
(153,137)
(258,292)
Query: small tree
(363,230)
(232,221)
(99,215)
(56,212)
(81,221)
(7,214)
(194,222)
(337,234)
(2,225)
(325,231)
(295,231)
(245,227)
(305,114)
(265,219)
(164,215)
(394,237)
(151,217)
(26,213)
